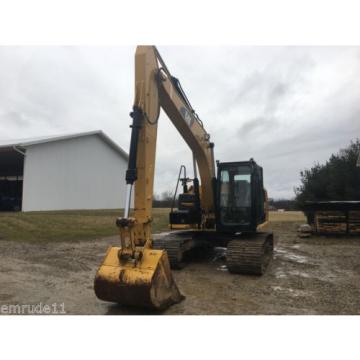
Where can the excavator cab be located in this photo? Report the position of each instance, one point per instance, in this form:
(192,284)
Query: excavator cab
(240,197)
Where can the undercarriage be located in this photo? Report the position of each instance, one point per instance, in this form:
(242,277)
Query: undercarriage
(246,253)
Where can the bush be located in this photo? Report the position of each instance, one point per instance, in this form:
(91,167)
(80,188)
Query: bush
(338,179)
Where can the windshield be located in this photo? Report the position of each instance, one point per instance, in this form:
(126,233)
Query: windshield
(235,195)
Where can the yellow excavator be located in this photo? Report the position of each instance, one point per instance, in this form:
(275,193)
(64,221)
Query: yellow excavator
(228,208)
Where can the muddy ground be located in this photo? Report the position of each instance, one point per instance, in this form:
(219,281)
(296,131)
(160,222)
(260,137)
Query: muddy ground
(307,276)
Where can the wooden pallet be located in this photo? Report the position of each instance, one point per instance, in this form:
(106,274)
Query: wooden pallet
(354,222)
(337,222)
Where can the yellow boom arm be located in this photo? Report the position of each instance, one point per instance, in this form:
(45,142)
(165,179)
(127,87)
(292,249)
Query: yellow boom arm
(155,88)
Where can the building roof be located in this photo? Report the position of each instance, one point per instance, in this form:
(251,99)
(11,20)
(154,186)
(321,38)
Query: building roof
(24,143)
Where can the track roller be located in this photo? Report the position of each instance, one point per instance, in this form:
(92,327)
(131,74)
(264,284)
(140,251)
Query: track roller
(177,245)
(250,255)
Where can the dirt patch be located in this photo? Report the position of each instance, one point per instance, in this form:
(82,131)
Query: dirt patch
(307,276)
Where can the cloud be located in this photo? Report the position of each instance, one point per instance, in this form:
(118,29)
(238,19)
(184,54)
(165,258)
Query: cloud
(257,124)
(287,107)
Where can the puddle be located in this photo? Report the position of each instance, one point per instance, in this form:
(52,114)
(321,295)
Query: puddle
(297,258)
(291,256)
(222,268)
(278,251)
(278,288)
(290,291)
(301,274)
(280,274)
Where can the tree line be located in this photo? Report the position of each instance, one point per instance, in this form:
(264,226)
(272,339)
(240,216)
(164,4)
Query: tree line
(336,180)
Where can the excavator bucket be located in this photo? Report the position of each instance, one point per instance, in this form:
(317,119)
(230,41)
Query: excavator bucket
(147,283)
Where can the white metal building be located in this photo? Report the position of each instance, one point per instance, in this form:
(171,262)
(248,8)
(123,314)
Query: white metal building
(77,171)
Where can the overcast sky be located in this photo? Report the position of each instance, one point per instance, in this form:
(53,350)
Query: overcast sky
(286,107)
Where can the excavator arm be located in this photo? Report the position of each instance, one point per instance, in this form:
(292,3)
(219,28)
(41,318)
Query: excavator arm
(156,88)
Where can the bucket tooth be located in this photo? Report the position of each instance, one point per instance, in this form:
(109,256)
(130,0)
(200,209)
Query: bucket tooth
(147,283)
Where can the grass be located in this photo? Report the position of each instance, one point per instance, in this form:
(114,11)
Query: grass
(83,224)
(297,216)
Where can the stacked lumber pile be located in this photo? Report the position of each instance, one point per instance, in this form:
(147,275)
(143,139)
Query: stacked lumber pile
(354,222)
(333,222)
(333,217)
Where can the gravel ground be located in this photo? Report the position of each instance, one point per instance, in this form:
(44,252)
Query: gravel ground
(314,275)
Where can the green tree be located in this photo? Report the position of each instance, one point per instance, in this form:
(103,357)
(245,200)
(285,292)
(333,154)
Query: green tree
(337,179)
